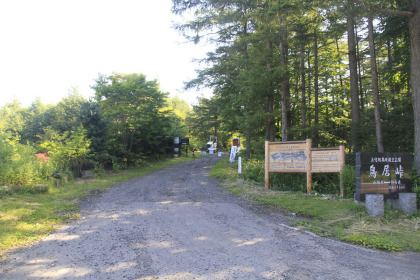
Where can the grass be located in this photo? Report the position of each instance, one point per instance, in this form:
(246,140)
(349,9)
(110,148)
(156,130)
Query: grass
(27,217)
(329,215)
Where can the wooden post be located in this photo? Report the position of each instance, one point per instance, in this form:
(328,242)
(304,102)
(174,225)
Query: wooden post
(308,166)
(267,165)
(342,161)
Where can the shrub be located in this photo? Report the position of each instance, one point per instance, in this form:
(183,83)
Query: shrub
(254,170)
(416,188)
(349,181)
(20,167)
(68,150)
(322,183)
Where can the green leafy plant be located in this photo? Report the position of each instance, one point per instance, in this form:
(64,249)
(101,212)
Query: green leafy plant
(20,168)
(376,242)
(349,181)
(68,150)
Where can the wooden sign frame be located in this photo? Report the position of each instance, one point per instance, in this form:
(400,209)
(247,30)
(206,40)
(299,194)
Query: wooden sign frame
(300,157)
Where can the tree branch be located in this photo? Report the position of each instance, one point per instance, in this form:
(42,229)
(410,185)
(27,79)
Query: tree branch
(385,11)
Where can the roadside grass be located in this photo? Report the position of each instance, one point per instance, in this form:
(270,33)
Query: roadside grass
(329,215)
(27,217)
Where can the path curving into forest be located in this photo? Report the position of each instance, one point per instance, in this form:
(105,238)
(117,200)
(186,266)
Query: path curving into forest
(177,223)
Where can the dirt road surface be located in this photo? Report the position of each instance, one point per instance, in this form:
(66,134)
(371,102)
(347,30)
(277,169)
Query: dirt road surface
(177,223)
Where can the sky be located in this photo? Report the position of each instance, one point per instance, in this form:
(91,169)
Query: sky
(47,47)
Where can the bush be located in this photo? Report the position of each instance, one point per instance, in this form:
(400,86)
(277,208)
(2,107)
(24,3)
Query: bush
(322,183)
(68,150)
(288,181)
(20,167)
(254,170)
(349,181)
(416,188)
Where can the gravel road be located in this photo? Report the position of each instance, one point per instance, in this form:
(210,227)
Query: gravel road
(177,223)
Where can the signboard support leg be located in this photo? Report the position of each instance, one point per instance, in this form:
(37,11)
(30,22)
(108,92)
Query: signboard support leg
(342,160)
(308,182)
(309,166)
(267,174)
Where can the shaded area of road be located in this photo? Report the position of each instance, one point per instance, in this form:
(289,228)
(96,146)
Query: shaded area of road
(178,224)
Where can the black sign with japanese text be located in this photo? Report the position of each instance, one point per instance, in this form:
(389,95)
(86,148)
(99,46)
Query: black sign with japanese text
(185,141)
(383,173)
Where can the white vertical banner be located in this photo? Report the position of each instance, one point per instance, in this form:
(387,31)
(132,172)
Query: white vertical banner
(232,154)
(239,165)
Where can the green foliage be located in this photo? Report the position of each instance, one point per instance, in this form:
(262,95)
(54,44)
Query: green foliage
(180,107)
(96,130)
(397,128)
(20,168)
(68,150)
(349,181)
(253,170)
(322,183)
(376,242)
(67,114)
(416,188)
(294,55)
(289,182)
(205,121)
(139,125)
(12,118)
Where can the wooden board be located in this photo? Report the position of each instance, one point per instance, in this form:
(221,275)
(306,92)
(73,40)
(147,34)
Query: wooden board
(288,156)
(327,160)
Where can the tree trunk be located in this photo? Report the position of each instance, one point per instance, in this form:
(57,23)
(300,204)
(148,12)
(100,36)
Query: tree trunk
(355,113)
(359,70)
(338,57)
(316,89)
(414,28)
(270,129)
(375,88)
(284,80)
(248,144)
(309,90)
(303,87)
(248,129)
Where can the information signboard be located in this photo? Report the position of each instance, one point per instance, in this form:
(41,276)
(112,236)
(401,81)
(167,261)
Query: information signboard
(383,173)
(185,141)
(327,160)
(299,157)
(288,156)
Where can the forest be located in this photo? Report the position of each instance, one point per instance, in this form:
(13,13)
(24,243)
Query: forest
(128,121)
(338,72)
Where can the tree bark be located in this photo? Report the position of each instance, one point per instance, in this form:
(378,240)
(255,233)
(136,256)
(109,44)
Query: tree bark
(355,113)
(375,87)
(270,129)
(248,129)
(359,70)
(303,86)
(316,91)
(309,90)
(414,28)
(284,80)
